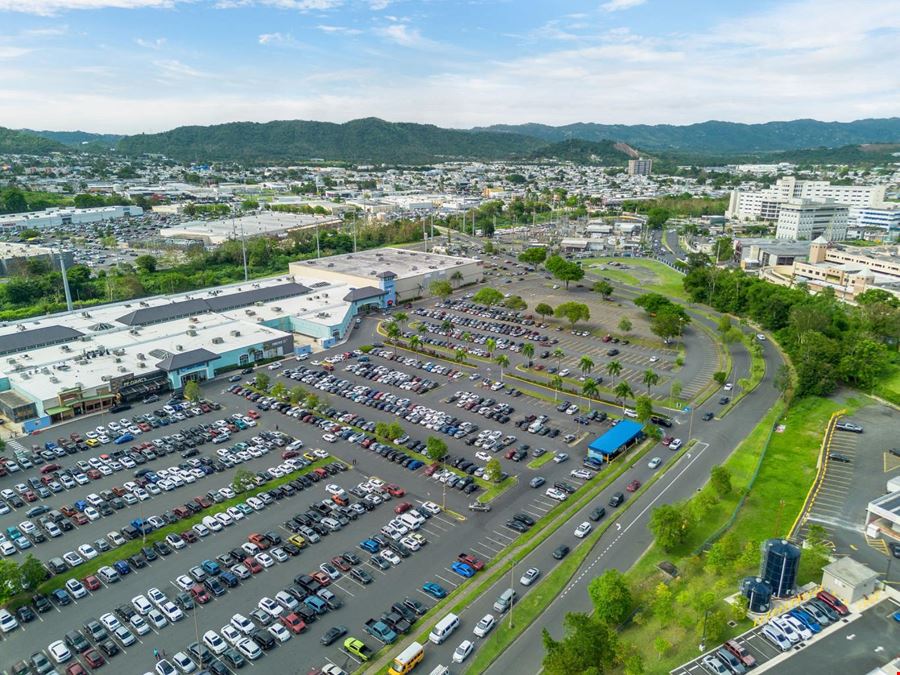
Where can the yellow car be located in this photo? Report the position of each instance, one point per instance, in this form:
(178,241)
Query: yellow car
(92,442)
(297,540)
(309,456)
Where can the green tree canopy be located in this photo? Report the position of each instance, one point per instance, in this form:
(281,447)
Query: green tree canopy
(544,309)
(435,448)
(488,296)
(192,391)
(440,289)
(533,256)
(604,288)
(611,597)
(573,312)
(669,523)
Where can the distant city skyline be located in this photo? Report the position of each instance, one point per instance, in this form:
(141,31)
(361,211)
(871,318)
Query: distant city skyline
(131,66)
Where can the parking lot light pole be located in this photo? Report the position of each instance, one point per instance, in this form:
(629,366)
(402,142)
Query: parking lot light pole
(703,637)
(512,602)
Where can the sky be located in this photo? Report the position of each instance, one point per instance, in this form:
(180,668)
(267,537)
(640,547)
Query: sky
(131,66)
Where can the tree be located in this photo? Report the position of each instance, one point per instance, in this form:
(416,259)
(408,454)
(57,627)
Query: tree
(544,309)
(588,648)
(611,597)
(623,392)
(669,524)
(720,479)
(33,572)
(311,401)
(723,248)
(720,376)
(459,355)
(414,342)
(675,389)
(389,431)
(669,322)
(456,277)
(586,364)
(625,325)
(568,271)
(661,646)
(296,395)
(393,329)
(262,381)
(652,302)
(243,480)
(614,368)
(650,379)
(557,383)
(400,317)
(515,303)
(644,409)
(502,361)
(590,390)
(278,390)
(533,256)
(192,391)
(657,217)
(559,355)
(492,470)
(488,296)
(435,448)
(782,379)
(10,579)
(663,603)
(724,324)
(145,264)
(573,312)
(604,288)
(528,350)
(440,289)
(490,345)
(249,205)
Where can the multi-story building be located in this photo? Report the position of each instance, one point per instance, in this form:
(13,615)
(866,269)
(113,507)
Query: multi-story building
(884,218)
(804,219)
(60,217)
(640,167)
(766,204)
(14,258)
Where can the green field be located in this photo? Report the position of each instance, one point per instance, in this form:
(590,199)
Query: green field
(649,275)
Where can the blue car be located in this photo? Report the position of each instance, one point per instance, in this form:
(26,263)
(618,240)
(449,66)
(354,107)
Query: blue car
(370,545)
(415,464)
(61,597)
(211,567)
(434,589)
(122,567)
(124,438)
(462,569)
(806,619)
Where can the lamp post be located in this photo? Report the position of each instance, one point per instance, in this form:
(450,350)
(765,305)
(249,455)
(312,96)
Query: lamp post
(703,637)
(512,601)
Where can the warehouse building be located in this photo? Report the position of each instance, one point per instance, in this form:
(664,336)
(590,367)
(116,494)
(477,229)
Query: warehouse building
(402,274)
(272,223)
(61,217)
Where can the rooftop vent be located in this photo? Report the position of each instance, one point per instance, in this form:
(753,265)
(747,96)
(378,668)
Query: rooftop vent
(192,332)
(179,348)
(217,340)
(235,333)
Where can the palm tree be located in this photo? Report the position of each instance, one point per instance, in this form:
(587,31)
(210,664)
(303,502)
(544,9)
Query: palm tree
(558,354)
(623,392)
(614,368)
(528,350)
(556,383)
(422,328)
(590,390)
(650,379)
(490,344)
(586,364)
(400,317)
(393,330)
(414,342)
(459,355)
(502,361)
(446,326)
(466,336)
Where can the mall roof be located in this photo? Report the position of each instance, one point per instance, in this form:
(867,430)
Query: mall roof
(25,340)
(185,359)
(401,262)
(613,440)
(363,293)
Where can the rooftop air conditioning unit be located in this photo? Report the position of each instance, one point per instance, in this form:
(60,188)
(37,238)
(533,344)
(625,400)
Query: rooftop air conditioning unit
(192,332)
(66,348)
(141,357)
(276,309)
(122,369)
(106,378)
(26,376)
(85,338)
(118,360)
(54,380)
(20,327)
(86,315)
(235,333)
(143,304)
(141,364)
(179,348)
(217,340)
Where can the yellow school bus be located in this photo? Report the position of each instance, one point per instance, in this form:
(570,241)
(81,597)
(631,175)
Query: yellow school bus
(408,659)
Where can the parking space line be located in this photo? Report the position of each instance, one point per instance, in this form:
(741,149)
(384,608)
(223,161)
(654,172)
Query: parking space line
(489,556)
(445,580)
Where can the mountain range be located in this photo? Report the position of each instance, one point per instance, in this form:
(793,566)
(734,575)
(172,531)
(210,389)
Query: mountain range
(372,140)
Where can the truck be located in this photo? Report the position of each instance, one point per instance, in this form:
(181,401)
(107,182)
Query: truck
(358,648)
(380,630)
(397,621)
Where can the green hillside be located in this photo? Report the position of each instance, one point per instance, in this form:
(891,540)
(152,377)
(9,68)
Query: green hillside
(22,143)
(605,153)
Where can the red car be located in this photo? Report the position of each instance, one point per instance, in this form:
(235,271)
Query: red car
(80,519)
(94,658)
(833,602)
(253,415)
(68,511)
(29,496)
(633,486)
(471,561)
(50,468)
(395,490)
(667,440)
(91,582)
(253,565)
(340,563)
(190,536)
(431,468)
(200,594)
(322,578)
(509,453)
(93,474)
(76,669)
(288,454)
(293,623)
(402,507)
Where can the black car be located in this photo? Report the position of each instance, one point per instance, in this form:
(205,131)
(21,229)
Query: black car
(263,638)
(561,552)
(597,513)
(108,647)
(517,525)
(838,457)
(332,634)
(361,576)
(417,607)
(25,614)
(724,400)
(232,658)
(617,499)
(184,601)
(76,642)
(895,549)
(524,518)
(41,603)
(708,416)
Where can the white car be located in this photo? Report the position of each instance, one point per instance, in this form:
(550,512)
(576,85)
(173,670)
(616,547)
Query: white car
(774,635)
(72,558)
(87,551)
(556,494)
(269,605)
(462,652)
(76,588)
(654,463)
(231,634)
(184,662)
(242,623)
(531,574)
(141,604)
(59,652)
(583,530)
(249,649)
(138,625)
(431,507)
(156,619)
(728,386)
(110,621)
(7,621)
(583,474)
(157,597)
(330,438)
(214,642)
(483,456)
(677,443)
(171,611)
(390,556)
(483,627)
(279,632)
(264,559)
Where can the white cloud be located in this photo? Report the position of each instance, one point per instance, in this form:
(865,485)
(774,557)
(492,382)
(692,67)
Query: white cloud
(378,5)
(157,43)
(298,5)
(343,30)
(405,36)
(7,52)
(278,40)
(175,69)
(618,5)
(50,7)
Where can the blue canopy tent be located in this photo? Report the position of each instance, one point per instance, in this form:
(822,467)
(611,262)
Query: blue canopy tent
(615,440)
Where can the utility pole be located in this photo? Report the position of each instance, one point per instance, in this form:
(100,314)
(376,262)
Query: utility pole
(512,602)
(65,280)
(318,251)
(244,253)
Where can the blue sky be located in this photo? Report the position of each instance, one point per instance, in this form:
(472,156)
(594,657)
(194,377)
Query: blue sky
(127,66)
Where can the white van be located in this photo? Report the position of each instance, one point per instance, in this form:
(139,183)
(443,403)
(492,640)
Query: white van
(444,629)
(413,522)
(505,601)
(440,670)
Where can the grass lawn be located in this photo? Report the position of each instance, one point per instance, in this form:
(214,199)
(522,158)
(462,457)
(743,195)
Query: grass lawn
(888,387)
(772,504)
(654,276)
(540,461)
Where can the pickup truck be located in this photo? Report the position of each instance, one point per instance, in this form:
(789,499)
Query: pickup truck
(380,630)
(358,648)
(397,621)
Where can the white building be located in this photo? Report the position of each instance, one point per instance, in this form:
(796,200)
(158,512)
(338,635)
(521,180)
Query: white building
(885,218)
(804,219)
(765,204)
(60,217)
(640,167)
